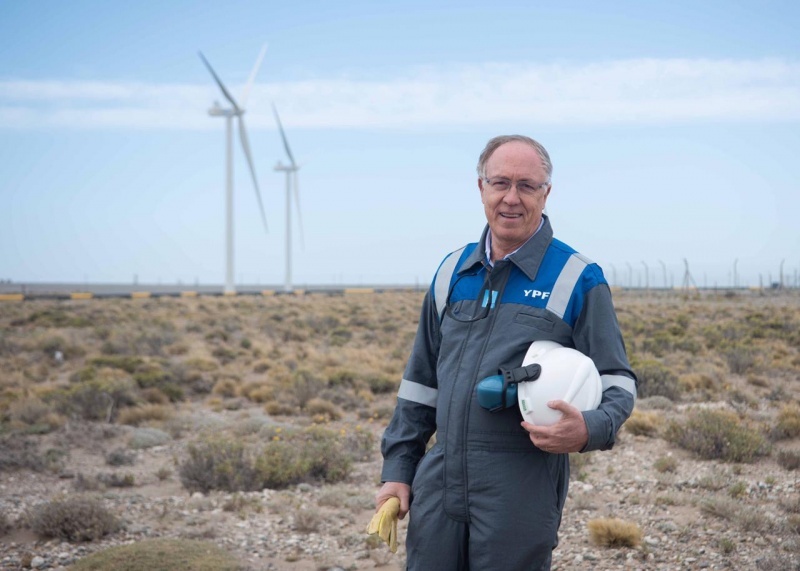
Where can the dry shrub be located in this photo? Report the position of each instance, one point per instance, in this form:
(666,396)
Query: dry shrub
(788,423)
(154,395)
(656,379)
(76,518)
(643,423)
(277,408)
(34,416)
(258,392)
(323,410)
(20,453)
(307,520)
(227,387)
(613,532)
(717,435)
(134,416)
(5,523)
(788,459)
(120,457)
(666,464)
(740,360)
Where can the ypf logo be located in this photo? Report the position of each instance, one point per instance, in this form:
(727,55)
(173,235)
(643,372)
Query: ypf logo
(535,293)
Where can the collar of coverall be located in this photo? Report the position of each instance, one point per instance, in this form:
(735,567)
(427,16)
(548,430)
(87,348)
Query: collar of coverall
(527,258)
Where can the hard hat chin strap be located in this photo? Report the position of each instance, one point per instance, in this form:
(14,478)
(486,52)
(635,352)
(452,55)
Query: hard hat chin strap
(521,374)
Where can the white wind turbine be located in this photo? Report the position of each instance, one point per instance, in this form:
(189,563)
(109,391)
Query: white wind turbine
(235,111)
(291,183)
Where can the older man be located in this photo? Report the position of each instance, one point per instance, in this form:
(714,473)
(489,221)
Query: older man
(489,494)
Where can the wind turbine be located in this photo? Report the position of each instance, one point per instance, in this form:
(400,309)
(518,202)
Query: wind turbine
(291,182)
(235,111)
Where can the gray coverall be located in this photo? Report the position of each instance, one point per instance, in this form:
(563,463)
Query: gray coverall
(484,497)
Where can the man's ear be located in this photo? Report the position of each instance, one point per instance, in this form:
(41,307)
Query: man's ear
(480,187)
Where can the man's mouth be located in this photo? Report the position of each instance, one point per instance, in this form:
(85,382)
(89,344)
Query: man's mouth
(510,215)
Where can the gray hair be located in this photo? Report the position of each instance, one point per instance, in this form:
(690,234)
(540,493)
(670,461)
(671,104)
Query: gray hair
(496,142)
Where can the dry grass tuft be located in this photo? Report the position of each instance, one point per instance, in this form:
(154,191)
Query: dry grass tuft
(643,423)
(135,416)
(613,532)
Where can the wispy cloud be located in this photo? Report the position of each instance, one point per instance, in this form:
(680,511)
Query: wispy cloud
(641,91)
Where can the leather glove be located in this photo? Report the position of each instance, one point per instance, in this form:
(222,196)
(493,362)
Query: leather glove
(384,523)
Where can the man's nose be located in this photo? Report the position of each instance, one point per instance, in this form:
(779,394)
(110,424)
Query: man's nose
(512,195)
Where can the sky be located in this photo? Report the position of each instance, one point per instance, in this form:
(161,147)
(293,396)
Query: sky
(673,127)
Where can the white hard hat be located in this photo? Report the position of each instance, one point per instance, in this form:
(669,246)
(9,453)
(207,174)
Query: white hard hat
(566,375)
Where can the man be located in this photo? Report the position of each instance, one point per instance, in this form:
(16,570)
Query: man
(489,494)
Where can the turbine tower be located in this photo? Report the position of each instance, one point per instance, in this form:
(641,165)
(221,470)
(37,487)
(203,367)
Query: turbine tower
(237,111)
(291,183)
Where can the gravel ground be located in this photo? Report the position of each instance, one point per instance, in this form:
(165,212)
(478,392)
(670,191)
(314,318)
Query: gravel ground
(322,527)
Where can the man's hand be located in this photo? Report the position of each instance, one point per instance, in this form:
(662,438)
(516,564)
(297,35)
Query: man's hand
(567,435)
(394,490)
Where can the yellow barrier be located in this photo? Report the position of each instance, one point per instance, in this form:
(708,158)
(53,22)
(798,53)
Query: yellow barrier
(81,295)
(188,294)
(140,294)
(268,292)
(11,297)
(357,290)
(229,293)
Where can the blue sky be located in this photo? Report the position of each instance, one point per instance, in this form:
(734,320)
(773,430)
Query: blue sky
(673,129)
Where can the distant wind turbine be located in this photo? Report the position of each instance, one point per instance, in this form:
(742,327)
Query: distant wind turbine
(291,183)
(236,111)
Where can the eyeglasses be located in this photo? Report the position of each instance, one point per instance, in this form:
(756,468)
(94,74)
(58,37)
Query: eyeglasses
(525,187)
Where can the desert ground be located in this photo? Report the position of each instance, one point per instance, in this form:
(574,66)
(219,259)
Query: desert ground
(251,425)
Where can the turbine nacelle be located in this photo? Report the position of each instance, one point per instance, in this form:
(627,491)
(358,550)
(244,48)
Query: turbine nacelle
(237,111)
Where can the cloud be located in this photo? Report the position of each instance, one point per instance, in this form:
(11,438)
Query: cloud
(639,91)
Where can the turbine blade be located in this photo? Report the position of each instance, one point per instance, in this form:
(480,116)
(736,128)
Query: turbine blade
(283,136)
(225,92)
(246,148)
(252,78)
(297,205)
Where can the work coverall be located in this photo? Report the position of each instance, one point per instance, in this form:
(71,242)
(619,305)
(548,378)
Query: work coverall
(484,497)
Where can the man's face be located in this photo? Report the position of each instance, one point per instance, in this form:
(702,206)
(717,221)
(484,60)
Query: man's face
(513,216)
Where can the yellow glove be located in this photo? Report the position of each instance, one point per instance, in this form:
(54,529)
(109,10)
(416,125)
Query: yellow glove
(384,523)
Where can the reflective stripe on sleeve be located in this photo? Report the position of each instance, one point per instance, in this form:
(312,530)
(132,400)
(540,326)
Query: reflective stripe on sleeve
(562,290)
(415,392)
(441,284)
(620,381)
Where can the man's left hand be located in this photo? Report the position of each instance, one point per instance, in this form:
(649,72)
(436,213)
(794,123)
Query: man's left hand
(567,435)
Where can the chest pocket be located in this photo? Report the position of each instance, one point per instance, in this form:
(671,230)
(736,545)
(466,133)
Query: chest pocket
(540,322)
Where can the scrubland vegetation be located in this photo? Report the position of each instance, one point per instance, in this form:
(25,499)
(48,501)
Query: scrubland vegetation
(236,395)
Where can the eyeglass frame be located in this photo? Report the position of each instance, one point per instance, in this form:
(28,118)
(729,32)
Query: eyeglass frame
(520,184)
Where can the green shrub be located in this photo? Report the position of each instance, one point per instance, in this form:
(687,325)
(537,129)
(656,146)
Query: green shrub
(717,435)
(125,363)
(382,384)
(740,360)
(280,465)
(148,438)
(120,457)
(100,397)
(218,464)
(76,518)
(160,555)
(656,380)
